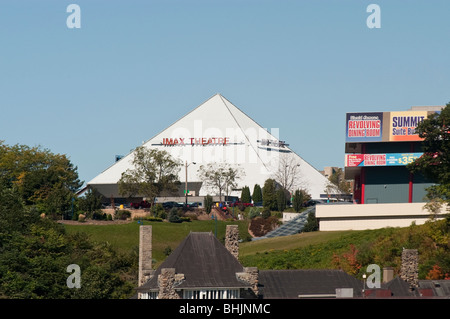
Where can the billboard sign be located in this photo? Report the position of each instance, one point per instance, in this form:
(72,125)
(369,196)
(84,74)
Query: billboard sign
(364,127)
(386,159)
(403,125)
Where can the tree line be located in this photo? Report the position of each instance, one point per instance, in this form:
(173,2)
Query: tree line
(274,197)
(36,251)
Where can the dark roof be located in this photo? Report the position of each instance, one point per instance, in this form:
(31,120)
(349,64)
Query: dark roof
(440,288)
(205,263)
(399,288)
(292,283)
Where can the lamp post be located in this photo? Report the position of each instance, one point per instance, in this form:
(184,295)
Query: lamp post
(364,284)
(185,183)
(214,217)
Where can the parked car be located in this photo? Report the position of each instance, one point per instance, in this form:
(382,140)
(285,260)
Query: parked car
(140,205)
(236,204)
(171,204)
(313,202)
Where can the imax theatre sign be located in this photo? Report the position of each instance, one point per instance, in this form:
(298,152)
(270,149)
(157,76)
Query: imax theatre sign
(196,141)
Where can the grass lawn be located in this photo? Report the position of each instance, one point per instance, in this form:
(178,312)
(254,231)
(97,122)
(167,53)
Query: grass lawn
(289,242)
(125,237)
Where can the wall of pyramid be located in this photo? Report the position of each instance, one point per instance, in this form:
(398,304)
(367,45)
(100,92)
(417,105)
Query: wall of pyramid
(218,132)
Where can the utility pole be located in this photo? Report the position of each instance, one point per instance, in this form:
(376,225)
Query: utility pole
(185,183)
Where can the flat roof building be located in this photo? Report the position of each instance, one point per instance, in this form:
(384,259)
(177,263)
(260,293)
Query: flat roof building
(378,146)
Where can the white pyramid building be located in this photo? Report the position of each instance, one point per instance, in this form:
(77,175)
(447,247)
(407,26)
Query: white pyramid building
(217,131)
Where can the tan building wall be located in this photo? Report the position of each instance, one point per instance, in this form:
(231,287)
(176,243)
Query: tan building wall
(371,216)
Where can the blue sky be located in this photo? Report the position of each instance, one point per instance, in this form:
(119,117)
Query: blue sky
(134,67)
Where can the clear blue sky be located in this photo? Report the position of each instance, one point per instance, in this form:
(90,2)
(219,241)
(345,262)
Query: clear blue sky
(134,67)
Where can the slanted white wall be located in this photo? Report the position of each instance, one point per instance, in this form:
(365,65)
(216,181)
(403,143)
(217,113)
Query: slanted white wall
(219,118)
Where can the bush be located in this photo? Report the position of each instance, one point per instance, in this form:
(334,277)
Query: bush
(167,251)
(260,226)
(75,215)
(254,212)
(266,213)
(122,214)
(98,215)
(173,216)
(311,223)
(152,219)
(158,211)
(162,214)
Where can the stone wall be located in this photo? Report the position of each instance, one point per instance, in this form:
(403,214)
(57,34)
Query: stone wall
(409,271)
(250,276)
(145,254)
(232,240)
(167,281)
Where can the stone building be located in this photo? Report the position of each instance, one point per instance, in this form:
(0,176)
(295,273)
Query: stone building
(201,267)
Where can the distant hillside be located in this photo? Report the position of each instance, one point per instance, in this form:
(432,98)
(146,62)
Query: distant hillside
(353,251)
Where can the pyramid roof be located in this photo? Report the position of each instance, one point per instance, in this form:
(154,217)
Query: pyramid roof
(204,262)
(217,131)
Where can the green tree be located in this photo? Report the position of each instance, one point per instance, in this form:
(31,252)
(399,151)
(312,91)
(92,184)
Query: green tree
(220,177)
(297,201)
(14,216)
(42,178)
(299,198)
(281,199)
(245,195)
(207,203)
(35,251)
(153,172)
(257,194)
(311,223)
(269,194)
(91,202)
(434,164)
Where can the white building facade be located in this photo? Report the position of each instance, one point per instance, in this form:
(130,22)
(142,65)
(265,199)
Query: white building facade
(218,132)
